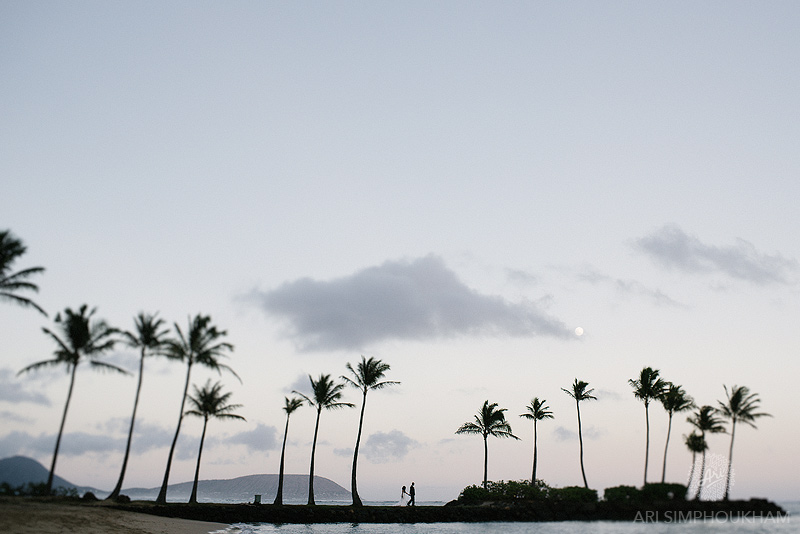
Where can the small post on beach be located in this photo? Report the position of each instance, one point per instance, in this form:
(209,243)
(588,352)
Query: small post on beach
(257,499)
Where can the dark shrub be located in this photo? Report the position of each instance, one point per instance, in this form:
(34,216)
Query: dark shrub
(622,494)
(473,494)
(664,492)
(517,490)
(573,494)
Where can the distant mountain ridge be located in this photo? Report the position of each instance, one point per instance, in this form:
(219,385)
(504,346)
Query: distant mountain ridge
(19,470)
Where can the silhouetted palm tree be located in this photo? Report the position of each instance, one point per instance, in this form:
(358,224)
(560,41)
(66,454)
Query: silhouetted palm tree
(646,388)
(202,346)
(290,405)
(695,443)
(209,402)
(11,283)
(325,395)
(537,411)
(740,405)
(83,339)
(580,393)
(674,400)
(149,338)
(489,421)
(366,376)
(705,420)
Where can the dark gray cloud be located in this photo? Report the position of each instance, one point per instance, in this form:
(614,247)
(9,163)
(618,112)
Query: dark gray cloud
(261,438)
(72,444)
(383,447)
(412,300)
(11,390)
(673,248)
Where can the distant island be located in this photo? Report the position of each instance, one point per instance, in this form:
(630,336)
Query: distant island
(21,470)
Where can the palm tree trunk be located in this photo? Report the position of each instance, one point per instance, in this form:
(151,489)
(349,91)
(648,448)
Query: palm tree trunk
(647,441)
(118,488)
(311,470)
(533,475)
(353,487)
(691,471)
(162,494)
(702,476)
(279,495)
(485,462)
(730,462)
(580,440)
(193,496)
(49,488)
(666,448)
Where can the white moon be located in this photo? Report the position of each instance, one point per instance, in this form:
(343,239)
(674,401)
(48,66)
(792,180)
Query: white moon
(579,331)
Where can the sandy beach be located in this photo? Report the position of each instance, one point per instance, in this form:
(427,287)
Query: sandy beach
(19,515)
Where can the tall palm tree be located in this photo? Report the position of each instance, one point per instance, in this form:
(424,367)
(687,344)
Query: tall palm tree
(674,400)
(201,345)
(489,421)
(150,339)
(740,405)
(83,339)
(209,402)
(705,420)
(11,283)
(290,405)
(326,395)
(537,411)
(579,392)
(695,443)
(366,376)
(647,387)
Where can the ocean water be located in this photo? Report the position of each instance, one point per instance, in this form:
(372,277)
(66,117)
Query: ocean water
(667,525)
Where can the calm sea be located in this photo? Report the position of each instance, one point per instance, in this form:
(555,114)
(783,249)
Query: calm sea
(667,525)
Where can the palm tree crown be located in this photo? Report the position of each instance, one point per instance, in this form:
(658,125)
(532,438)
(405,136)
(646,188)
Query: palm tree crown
(367,375)
(209,402)
(705,420)
(326,394)
(740,405)
(647,387)
(82,338)
(11,283)
(538,410)
(489,421)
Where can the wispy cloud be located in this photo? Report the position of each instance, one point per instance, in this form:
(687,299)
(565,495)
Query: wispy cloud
(384,447)
(11,390)
(588,432)
(629,287)
(419,299)
(673,248)
(261,438)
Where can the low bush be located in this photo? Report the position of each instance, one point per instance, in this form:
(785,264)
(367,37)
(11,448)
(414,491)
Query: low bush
(664,492)
(573,494)
(622,494)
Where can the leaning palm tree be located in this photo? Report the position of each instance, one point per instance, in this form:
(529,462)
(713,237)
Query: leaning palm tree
(537,411)
(705,420)
(209,402)
(325,395)
(366,376)
(12,283)
(201,345)
(695,443)
(674,400)
(83,339)
(647,387)
(489,421)
(290,405)
(580,393)
(150,338)
(740,405)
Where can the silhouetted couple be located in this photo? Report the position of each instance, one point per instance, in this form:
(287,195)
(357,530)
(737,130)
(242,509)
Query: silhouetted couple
(407,498)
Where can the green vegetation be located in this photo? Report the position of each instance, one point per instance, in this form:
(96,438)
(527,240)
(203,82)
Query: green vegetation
(649,386)
(489,421)
(579,392)
(12,283)
(289,406)
(537,411)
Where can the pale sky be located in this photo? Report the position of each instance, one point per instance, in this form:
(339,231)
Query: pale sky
(450,187)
